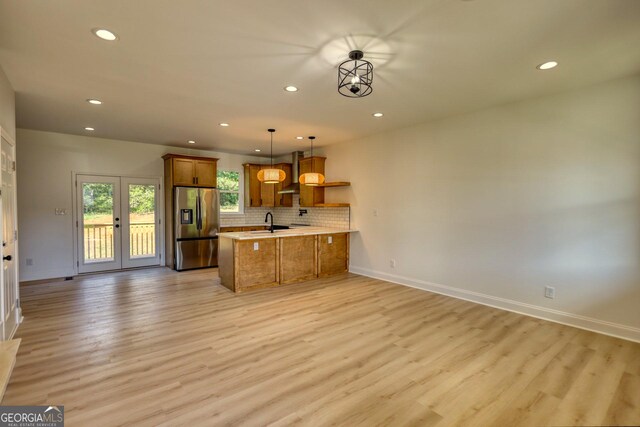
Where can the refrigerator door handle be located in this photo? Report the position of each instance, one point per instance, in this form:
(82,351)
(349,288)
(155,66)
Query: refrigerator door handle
(198,212)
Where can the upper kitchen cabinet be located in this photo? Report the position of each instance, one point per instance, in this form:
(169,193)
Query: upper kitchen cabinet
(311,196)
(252,188)
(258,194)
(267,192)
(189,171)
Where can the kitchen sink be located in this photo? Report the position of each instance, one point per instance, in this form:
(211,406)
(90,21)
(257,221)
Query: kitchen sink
(264,231)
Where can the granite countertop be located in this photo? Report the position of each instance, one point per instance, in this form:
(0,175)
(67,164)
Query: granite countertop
(265,234)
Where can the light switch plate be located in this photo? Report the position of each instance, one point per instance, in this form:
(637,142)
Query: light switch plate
(256,246)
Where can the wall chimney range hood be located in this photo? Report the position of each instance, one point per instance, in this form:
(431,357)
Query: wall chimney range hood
(294,188)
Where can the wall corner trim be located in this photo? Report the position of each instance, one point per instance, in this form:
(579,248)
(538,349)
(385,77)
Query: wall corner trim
(583,322)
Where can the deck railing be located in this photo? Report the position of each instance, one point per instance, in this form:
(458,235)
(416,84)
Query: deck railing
(98,241)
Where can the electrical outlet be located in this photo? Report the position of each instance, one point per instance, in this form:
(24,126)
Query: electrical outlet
(256,246)
(392,263)
(330,239)
(29,261)
(549,292)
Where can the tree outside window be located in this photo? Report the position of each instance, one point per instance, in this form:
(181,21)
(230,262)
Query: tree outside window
(229,187)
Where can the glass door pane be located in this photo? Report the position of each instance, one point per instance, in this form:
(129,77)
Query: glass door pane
(140,227)
(142,221)
(98,223)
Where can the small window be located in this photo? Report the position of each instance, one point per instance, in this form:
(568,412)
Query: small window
(229,187)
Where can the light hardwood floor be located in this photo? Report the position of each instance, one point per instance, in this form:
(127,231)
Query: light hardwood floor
(155,347)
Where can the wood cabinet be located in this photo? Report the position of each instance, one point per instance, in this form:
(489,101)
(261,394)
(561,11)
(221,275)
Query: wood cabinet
(248,264)
(206,173)
(258,194)
(311,196)
(190,171)
(252,188)
(333,254)
(238,228)
(267,191)
(298,261)
(280,260)
(187,171)
(231,229)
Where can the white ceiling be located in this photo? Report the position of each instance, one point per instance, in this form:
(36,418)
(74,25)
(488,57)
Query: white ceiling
(181,67)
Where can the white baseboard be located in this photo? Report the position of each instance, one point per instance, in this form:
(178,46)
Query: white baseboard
(27,275)
(570,319)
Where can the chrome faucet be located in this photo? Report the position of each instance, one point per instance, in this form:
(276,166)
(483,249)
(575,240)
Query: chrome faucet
(266,218)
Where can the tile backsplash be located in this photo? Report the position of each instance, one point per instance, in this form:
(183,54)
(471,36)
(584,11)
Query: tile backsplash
(319,217)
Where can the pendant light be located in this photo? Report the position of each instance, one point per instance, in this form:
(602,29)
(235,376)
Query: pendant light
(271,175)
(355,76)
(312,179)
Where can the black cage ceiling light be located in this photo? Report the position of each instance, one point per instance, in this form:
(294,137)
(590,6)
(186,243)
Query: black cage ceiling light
(355,76)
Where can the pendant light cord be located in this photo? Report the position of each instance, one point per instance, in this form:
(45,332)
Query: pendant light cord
(271,131)
(312,138)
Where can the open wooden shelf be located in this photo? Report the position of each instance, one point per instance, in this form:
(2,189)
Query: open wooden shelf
(331,205)
(335,184)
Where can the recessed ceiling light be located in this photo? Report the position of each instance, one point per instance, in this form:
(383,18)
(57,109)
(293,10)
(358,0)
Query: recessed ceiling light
(94,101)
(89,129)
(291,89)
(377,114)
(191,141)
(547,65)
(257,150)
(104,34)
(299,137)
(224,124)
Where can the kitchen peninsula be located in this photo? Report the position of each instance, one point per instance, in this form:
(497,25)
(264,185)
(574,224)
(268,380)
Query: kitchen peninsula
(260,259)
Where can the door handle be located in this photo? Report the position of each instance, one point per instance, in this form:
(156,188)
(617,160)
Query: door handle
(117,219)
(117,225)
(7,258)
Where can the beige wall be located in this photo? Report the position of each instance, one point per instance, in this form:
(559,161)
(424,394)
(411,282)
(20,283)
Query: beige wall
(492,206)
(7,105)
(46,162)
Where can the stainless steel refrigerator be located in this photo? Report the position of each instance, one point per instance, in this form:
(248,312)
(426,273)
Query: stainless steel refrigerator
(197,222)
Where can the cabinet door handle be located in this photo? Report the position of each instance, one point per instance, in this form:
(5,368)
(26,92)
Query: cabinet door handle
(197,179)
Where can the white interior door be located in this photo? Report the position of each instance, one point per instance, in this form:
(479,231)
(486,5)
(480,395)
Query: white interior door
(99,241)
(140,222)
(10,292)
(118,222)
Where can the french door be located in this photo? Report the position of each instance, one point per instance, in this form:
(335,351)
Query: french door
(118,222)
